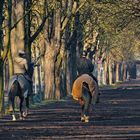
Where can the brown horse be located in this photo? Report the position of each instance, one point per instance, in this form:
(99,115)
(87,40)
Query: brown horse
(85,91)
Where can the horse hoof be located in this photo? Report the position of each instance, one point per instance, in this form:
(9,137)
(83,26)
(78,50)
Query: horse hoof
(25,114)
(14,118)
(86,121)
(82,119)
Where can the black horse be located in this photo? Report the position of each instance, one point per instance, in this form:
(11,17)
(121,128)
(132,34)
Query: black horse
(21,86)
(16,90)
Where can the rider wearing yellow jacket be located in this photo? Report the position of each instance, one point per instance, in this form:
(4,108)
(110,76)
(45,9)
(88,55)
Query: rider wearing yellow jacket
(20,63)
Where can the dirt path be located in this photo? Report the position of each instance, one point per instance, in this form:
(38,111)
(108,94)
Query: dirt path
(116,117)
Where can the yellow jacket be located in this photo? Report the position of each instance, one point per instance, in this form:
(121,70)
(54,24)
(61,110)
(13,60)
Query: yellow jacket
(20,65)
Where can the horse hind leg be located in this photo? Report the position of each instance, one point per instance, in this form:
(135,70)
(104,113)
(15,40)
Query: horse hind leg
(12,101)
(21,108)
(13,106)
(25,113)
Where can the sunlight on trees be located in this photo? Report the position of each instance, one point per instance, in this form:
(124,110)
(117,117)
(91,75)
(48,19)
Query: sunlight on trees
(58,31)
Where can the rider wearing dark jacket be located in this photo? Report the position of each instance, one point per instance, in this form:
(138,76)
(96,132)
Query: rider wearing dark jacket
(85,87)
(85,66)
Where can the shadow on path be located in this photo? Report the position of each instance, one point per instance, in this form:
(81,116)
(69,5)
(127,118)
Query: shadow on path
(116,117)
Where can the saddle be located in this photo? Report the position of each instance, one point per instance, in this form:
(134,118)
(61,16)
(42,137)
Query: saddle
(26,76)
(26,84)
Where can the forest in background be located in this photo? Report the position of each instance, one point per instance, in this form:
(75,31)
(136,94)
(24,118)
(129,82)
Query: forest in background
(57,31)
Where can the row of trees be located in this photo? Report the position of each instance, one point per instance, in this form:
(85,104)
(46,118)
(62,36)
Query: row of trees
(115,27)
(58,31)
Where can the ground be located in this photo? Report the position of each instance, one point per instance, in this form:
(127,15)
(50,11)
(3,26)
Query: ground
(116,117)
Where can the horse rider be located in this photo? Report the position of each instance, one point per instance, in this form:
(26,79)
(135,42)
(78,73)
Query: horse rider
(85,92)
(21,74)
(84,65)
(87,82)
(21,65)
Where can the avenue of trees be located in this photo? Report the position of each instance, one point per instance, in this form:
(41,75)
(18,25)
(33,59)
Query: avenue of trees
(57,31)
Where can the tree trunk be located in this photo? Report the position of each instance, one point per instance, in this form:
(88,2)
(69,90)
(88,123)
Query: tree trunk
(105,73)
(1,88)
(69,72)
(27,32)
(1,60)
(124,71)
(72,62)
(49,73)
(99,74)
(58,54)
(110,72)
(58,72)
(17,33)
(55,29)
(121,71)
(72,52)
(117,72)
(64,76)
(10,63)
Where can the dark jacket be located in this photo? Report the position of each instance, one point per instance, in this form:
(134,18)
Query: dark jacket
(84,65)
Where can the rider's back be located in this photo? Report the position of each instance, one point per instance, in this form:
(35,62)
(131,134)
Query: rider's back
(84,65)
(20,65)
